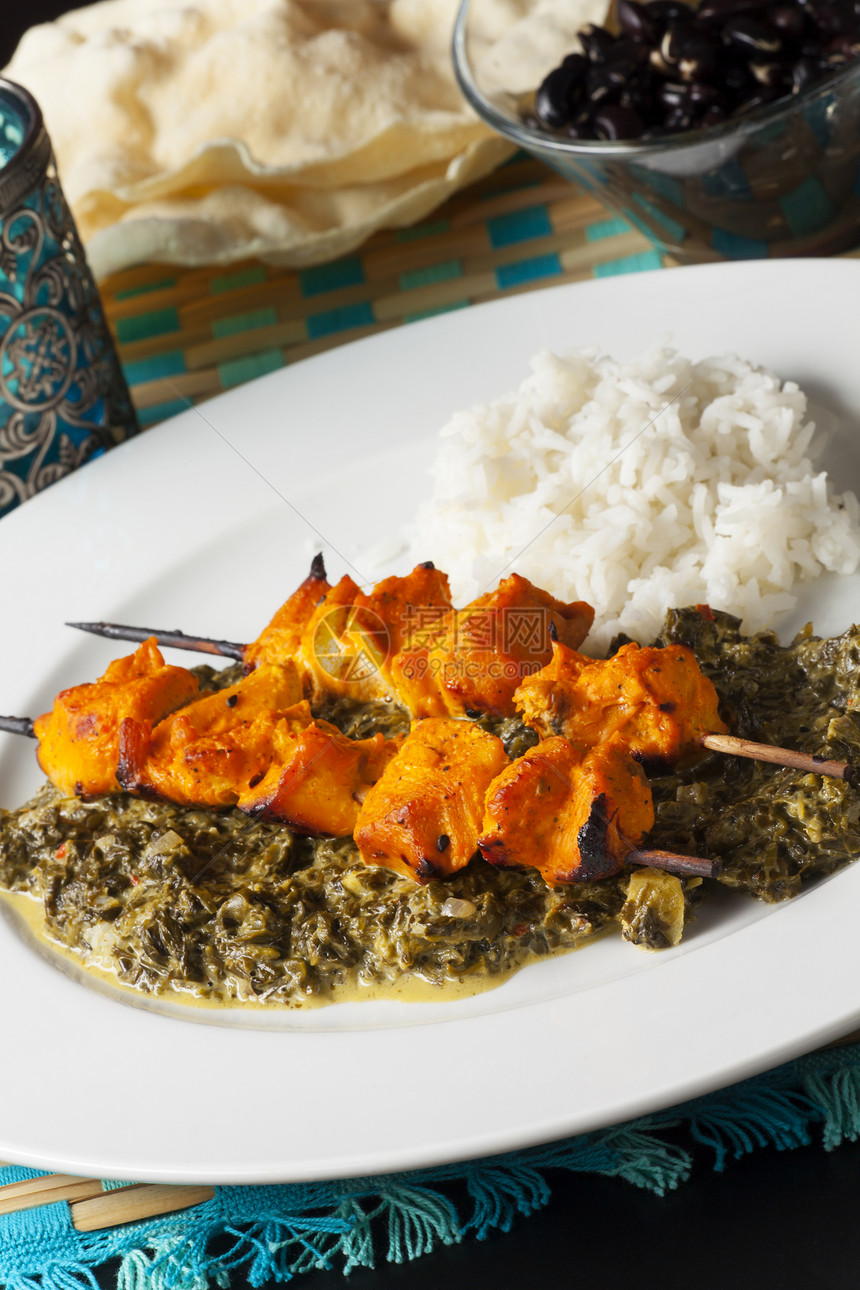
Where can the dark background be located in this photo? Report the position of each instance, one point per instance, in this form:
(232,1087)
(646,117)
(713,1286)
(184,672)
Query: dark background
(772,1221)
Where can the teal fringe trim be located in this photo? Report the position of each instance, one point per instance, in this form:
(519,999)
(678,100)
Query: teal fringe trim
(278,1232)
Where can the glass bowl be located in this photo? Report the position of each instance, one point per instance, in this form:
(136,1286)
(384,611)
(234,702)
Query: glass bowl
(781,180)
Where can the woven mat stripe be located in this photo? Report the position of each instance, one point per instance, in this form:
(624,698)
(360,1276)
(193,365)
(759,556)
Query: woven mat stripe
(186,334)
(205,363)
(196,322)
(194,360)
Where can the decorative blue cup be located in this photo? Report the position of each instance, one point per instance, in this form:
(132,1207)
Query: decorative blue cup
(63,397)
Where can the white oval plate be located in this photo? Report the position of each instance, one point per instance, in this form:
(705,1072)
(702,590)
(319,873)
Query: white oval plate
(207,523)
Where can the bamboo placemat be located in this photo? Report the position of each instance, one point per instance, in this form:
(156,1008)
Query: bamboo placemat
(187,334)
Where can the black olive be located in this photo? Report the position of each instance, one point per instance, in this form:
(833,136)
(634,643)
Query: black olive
(620,73)
(717,11)
(576,65)
(554,101)
(581,127)
(751,36)
(639,93)
(596,42)
(672,43)
(787,19)
(635,20)
(672,95)
(601,86)
(698,55)
(615,123)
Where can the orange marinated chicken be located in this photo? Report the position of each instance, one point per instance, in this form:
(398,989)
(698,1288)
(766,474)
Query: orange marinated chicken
(404,641)
(210,751)
(488,648)
(656,700)
(281,638)
(337,657)
(413,610)
(318,778)
(357,644)
(424,814)
(572,815)
(79,738)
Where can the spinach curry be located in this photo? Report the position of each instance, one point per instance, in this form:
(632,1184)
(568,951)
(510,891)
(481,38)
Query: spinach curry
(230,909)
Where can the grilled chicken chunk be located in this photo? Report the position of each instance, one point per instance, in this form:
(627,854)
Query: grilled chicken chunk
(281,638)
(572,815)
(318,778)
(341,655)
(405,641)
(79,738)
(423,815)
(359,644)
(487,649)
(656,700)
(208,753)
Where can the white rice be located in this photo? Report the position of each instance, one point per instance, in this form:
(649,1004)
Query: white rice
(638,487)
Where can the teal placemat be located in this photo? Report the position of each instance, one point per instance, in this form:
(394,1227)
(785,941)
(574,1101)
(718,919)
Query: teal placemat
(186,334)
(277,1232)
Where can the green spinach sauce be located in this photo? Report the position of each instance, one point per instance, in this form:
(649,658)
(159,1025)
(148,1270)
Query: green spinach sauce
(229,908)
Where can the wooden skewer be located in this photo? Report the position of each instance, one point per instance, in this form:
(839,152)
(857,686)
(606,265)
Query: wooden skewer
(18,726)
(175,640)
(178,639)
(695,866)
(92,1207)
(780,756)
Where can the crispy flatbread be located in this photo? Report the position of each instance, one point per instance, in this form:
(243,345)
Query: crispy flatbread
(290,130)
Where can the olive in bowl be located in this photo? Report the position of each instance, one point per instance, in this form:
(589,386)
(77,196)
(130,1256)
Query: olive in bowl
(725,130)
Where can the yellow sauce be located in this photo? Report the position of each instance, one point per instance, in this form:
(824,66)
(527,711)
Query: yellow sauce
(27,910)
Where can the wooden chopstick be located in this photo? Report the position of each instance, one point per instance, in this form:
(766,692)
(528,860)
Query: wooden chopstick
(33,1192)
(93,1208)
(130,1204)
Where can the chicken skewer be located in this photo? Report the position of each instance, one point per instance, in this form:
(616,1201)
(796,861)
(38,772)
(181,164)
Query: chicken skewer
(145,728)
(599,718)
(656,699)
(404,640)
(450,791)
(342,630)
(164,639)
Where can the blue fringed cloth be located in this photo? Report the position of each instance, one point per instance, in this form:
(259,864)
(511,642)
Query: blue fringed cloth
(277,1232)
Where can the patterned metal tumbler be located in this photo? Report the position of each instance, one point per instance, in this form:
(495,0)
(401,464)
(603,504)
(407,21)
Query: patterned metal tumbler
(63,397)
